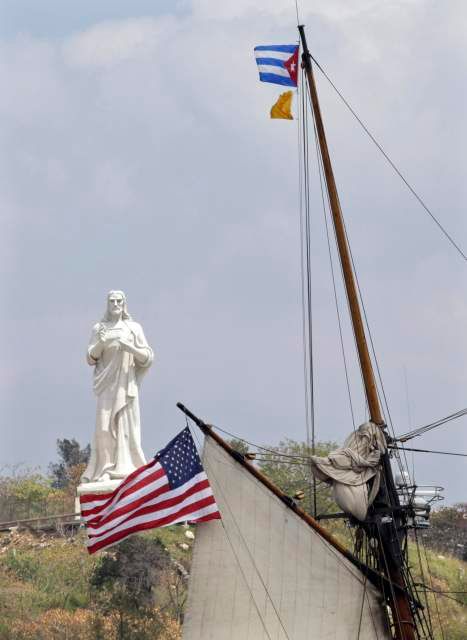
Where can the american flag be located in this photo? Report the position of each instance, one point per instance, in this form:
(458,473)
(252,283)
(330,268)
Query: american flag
(172,488)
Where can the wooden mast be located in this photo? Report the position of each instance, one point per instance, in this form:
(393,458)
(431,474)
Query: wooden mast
(400,605)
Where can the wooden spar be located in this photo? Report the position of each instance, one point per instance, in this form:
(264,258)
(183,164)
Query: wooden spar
(357,321)
(400,605)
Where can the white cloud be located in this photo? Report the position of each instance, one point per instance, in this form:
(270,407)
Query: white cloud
(108,44)
(138,154)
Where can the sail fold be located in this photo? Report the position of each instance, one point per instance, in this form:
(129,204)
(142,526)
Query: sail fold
(350,468)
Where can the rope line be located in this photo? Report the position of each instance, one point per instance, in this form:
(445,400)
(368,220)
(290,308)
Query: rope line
(422,572)
(391,162)
(433,425)
(309,298)
(296,457)
(431,583)
(320,163)
(331,262)
(381,392)
(444,453)
(361,609)
(322,179)
(301,130)
(397,621)
(444,594)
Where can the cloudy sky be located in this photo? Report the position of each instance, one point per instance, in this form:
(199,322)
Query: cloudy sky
(137,153)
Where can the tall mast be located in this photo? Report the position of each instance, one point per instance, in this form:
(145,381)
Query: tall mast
(399,601)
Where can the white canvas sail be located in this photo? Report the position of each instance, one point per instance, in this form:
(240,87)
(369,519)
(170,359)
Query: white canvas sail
(264,573)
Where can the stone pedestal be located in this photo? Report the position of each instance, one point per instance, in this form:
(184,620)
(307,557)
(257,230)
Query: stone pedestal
(106,486)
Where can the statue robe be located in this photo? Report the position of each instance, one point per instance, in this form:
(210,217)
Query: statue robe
(116,448)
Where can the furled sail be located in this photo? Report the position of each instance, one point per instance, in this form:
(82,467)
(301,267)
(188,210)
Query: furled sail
(262,572)
(350,468)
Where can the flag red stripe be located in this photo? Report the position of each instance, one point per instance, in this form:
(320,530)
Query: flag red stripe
(119,535)
(130,507)
(211,516)
(153,477)
(159,506)
(89,497)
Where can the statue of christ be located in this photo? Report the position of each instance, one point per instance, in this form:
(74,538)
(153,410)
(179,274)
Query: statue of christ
(120,355)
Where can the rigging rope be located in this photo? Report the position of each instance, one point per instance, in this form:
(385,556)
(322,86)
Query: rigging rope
(257,446)
(274,453)
(301,171)
(320,171)
(322,179)
(309,312)
(408,579)
(444,453)
(421,430)
(431,583)
(422,573)
(445,594)
(367,328)
(391,162)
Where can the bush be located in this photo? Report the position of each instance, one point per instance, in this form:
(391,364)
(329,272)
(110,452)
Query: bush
(58,624)
(26,493)
(133,572)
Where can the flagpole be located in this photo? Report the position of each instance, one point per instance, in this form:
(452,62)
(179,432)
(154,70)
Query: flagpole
(400,605)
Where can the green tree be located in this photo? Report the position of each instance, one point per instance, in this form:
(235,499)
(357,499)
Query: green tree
(288,468)
(133,572)
(239,445)
(129,584)
(72,461)
(24,493)
(448,530)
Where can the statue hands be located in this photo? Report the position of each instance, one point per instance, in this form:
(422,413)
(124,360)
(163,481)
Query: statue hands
(141,355)
(103,334)
(126,345)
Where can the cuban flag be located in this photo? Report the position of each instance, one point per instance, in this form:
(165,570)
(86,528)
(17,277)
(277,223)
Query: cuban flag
(278,63)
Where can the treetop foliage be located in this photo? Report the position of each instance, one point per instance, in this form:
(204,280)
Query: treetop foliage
(293,474)
(71,457)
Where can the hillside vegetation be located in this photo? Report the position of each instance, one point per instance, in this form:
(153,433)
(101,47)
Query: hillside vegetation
(52,589)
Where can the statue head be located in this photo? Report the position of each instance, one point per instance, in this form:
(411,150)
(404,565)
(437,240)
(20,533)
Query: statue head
(116,307)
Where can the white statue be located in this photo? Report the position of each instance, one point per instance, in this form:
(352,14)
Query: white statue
(120,355)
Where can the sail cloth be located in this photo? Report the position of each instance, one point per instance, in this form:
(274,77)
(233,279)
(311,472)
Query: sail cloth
(262,573)
(350,468)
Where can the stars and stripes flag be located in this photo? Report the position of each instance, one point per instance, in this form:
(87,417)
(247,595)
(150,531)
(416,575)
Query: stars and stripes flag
(172,488)
(278,63)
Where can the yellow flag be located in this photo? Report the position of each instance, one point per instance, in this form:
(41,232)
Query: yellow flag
(283,107)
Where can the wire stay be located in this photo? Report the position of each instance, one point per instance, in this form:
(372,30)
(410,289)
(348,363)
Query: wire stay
(393,165)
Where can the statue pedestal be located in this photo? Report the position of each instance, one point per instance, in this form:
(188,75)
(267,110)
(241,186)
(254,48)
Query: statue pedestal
(106,486)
